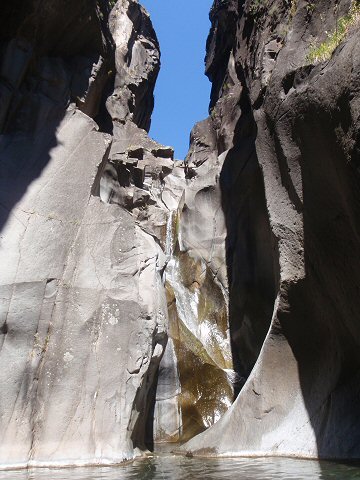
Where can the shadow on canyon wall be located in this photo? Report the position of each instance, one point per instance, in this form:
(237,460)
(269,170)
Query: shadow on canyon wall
(252,265)
(39,78)
(49,57)
(322,322)
(319,313)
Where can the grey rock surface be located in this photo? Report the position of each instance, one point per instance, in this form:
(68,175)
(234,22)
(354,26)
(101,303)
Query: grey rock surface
(81,293)
(137,63)
(94,372)
(286,131)
(142,177)
(140,294)
(83,322)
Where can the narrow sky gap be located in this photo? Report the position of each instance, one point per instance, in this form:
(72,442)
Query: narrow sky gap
(182,91)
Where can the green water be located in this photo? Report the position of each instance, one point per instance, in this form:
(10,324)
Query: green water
(168,467)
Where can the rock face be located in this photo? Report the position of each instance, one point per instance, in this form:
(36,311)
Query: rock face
(285,135)
(92,254)
(140,295)
(197,286)
(83,308)
(198,354)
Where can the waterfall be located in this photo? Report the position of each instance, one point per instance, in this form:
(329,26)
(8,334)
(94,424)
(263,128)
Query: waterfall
(167,413)
(194,383)
(187,302)
(188,299)
(169,244)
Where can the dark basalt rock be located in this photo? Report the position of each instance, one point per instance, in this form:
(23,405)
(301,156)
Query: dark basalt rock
(121,323)
(137,63)
(290,187)
(55,28)
(52,55)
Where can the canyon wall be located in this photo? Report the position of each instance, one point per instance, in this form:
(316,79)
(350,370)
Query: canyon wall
(283,133)
(99,356)
(83,308)
(141,295)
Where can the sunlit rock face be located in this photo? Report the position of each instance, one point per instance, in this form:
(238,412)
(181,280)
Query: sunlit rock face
(113,322)
(137,63)
(285,133)
(196,381)
(140,295)
(83,318)
(198,353)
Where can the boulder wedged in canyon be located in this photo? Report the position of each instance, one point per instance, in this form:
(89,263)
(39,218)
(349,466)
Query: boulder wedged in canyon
(286,132)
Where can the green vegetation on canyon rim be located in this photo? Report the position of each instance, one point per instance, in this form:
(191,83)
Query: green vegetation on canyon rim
(324,51)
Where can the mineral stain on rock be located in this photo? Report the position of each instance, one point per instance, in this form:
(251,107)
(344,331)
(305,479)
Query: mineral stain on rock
(146,300)
(199,343)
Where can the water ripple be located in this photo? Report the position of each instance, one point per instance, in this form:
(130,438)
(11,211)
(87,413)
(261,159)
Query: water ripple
(167,467)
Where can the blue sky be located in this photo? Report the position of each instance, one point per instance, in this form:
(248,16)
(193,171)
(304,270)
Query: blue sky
(182,91)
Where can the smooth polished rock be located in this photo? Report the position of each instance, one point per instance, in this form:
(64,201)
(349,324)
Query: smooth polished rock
(78,279)
(290,192)
(83,317)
